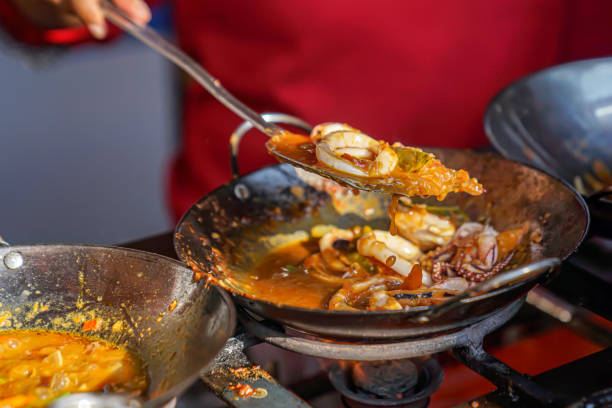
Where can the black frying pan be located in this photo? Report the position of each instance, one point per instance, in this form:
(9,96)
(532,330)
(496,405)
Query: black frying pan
(559,120)
(229,230)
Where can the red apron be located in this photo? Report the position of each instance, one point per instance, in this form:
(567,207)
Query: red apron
(418,72)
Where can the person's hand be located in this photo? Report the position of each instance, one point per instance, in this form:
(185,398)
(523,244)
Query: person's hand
(65,13)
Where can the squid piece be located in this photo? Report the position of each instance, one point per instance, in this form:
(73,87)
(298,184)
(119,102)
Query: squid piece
(393,251)
(372,290)
(456,284)
(316,268)
(350,151)
(380,300)
(328,245)
(423,228)
(339,301)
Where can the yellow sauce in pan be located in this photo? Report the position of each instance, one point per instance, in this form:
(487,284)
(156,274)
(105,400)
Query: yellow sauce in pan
(38,366)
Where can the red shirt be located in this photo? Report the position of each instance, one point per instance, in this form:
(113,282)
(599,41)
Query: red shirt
(418,72)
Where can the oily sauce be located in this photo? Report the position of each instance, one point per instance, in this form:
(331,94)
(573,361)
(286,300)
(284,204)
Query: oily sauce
(37,366)
(281,278)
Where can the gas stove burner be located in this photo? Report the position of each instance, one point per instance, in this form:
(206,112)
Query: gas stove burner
(401,349)
(406,384)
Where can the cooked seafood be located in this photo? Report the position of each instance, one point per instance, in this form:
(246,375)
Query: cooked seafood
(393,251)
(38,366)
(423,228)
(341,147)
(363,162)
(476,252)
(432,257)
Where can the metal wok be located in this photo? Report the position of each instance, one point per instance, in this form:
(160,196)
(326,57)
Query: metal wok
(560,120)
(228,231)
(56,286)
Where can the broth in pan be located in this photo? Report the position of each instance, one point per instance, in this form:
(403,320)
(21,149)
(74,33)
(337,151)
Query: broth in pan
(435,253)
(39,366)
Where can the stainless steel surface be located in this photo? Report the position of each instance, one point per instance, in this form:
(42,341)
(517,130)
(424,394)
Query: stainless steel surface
(507,278)
(93,400)
(149,303)
(559,119)
(151,38)
(383,351)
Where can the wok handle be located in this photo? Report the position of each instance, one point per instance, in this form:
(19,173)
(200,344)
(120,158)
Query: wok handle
(601,213)
(232,371)
(241,130)
(605,192)
(516,275)
(151,38)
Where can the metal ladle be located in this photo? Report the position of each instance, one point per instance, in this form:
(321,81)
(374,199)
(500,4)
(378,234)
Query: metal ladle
(154,40)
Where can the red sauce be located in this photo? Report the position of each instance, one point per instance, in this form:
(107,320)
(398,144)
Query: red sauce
(295,287)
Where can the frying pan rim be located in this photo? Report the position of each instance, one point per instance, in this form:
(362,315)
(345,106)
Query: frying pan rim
(91,246)
(486,118)
(406,313)
(224,297)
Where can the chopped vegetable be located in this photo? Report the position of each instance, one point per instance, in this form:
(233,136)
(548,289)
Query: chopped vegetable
(364,262)
(411,159)
(90,325)
(321,229)
(414,279)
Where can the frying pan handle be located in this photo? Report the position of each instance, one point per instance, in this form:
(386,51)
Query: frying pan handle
(605,192)
(151,38)
(241,130)
(516,275)
(232,372)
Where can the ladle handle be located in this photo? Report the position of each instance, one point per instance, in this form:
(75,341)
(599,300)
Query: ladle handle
(151,38)
(516,275)
(243,129)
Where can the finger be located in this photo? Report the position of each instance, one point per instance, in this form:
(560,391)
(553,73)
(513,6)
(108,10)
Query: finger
(136,9)
(90,12)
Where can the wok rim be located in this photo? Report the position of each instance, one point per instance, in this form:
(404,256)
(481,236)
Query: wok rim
(405,313)
(486,119)
(181,386)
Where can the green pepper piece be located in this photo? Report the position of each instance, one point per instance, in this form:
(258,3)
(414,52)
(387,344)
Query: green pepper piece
(411,159)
